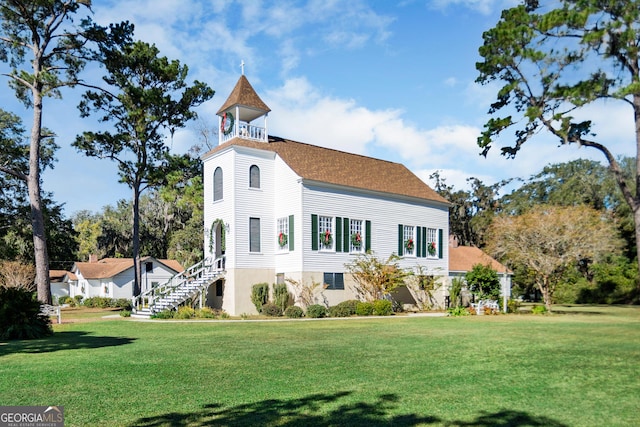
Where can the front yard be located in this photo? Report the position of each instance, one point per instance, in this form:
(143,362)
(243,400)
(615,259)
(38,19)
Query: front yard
(577,368)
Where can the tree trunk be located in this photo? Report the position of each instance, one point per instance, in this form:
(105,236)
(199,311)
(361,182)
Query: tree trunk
(546,292)
(41,254)
(136,241)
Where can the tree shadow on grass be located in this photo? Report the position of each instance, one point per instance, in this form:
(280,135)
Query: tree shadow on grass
(308,412)
(62,341)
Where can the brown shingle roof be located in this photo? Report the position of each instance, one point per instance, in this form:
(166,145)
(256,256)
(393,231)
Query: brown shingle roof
(244,95)
(331,166)
(109,267)
(463,258)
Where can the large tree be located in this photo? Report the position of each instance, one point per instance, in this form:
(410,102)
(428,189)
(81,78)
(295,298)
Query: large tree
(552,63)
(549,240)
(146,97)
(45,51)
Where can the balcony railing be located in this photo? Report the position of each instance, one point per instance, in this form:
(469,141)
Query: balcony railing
(246,131)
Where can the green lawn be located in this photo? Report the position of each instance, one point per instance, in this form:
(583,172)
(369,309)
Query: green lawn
(577,368)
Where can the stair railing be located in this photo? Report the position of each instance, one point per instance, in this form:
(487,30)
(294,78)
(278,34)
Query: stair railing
(193,273)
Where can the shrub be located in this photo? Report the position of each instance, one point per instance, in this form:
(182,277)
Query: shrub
(78,299)
(364,309)
(281,296)
(20,316)
(98,302)
(224,315)
(344,309)
(65,299)
(513,306)
(260,295)
(271,310)
(124,303)
(164,314)
(125,313)
(294,312)
(458,311)
(185,312)
(382,307)
(206,313)
(538,309)
(316,311)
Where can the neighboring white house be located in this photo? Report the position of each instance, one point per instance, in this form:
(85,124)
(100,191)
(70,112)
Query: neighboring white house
(113,277)
(463,258)
(279,209)
(60,280)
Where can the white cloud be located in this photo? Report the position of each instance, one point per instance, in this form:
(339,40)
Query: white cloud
(485,7)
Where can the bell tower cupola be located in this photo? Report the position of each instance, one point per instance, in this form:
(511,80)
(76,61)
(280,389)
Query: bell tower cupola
(243,115)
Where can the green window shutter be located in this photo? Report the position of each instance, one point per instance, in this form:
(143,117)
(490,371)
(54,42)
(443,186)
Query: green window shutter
(440,254)
(424,241)
(346,242)
(367,236)
(314,232)
(291,236)
(338,234)
(419,252)
(400,242)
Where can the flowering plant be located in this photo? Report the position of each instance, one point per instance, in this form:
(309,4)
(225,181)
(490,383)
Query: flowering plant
(326,238)
(356,240)
(282,240)
(408,244)
(431,248)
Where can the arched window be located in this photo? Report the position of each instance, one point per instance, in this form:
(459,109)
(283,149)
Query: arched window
(254,177)
(217,184)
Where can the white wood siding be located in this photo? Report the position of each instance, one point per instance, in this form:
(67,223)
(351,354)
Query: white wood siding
(385,213)
(288,201)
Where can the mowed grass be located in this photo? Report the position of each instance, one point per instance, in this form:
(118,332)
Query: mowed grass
(580,367)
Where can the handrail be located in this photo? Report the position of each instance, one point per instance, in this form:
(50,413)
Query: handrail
(193,273)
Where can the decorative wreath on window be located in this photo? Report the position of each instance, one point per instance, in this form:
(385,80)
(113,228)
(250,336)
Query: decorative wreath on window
(356,240)
(226,125)
(431,248)
(409,245)
(326,238)
(282,240)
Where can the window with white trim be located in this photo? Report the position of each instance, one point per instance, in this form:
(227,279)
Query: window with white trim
(217,184)
(326,233)
(254,234)
(432,242)
(254,177)
(283,234)
(409,240)
(356,235)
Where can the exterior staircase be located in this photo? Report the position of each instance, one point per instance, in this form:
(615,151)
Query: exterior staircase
(182,287)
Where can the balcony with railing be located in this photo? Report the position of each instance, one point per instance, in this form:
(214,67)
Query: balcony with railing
(246,131)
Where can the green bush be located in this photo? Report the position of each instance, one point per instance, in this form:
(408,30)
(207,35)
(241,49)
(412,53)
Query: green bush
(316,311)
(344,309)
(364,308)
(513,305)
(164,314)
(20,316)
(185,312)
(281,296)
(206,313)
(271,310)
(124,303)
(260,295)
(98,302)
(125,313)
(294,312)
(78,300)
(538,309)
(458,311)
(382,307)
(65,299)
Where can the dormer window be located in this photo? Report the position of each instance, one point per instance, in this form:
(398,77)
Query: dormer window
(254,177)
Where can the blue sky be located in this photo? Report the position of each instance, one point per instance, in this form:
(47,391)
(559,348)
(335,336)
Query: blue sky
(393,80)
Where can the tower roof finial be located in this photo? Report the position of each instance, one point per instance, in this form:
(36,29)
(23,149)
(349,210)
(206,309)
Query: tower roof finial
(242,66)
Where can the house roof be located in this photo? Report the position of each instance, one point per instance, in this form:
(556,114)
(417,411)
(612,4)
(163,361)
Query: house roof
(331,166)
(58,276)
(463,258)
(109,267)
(244,95)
